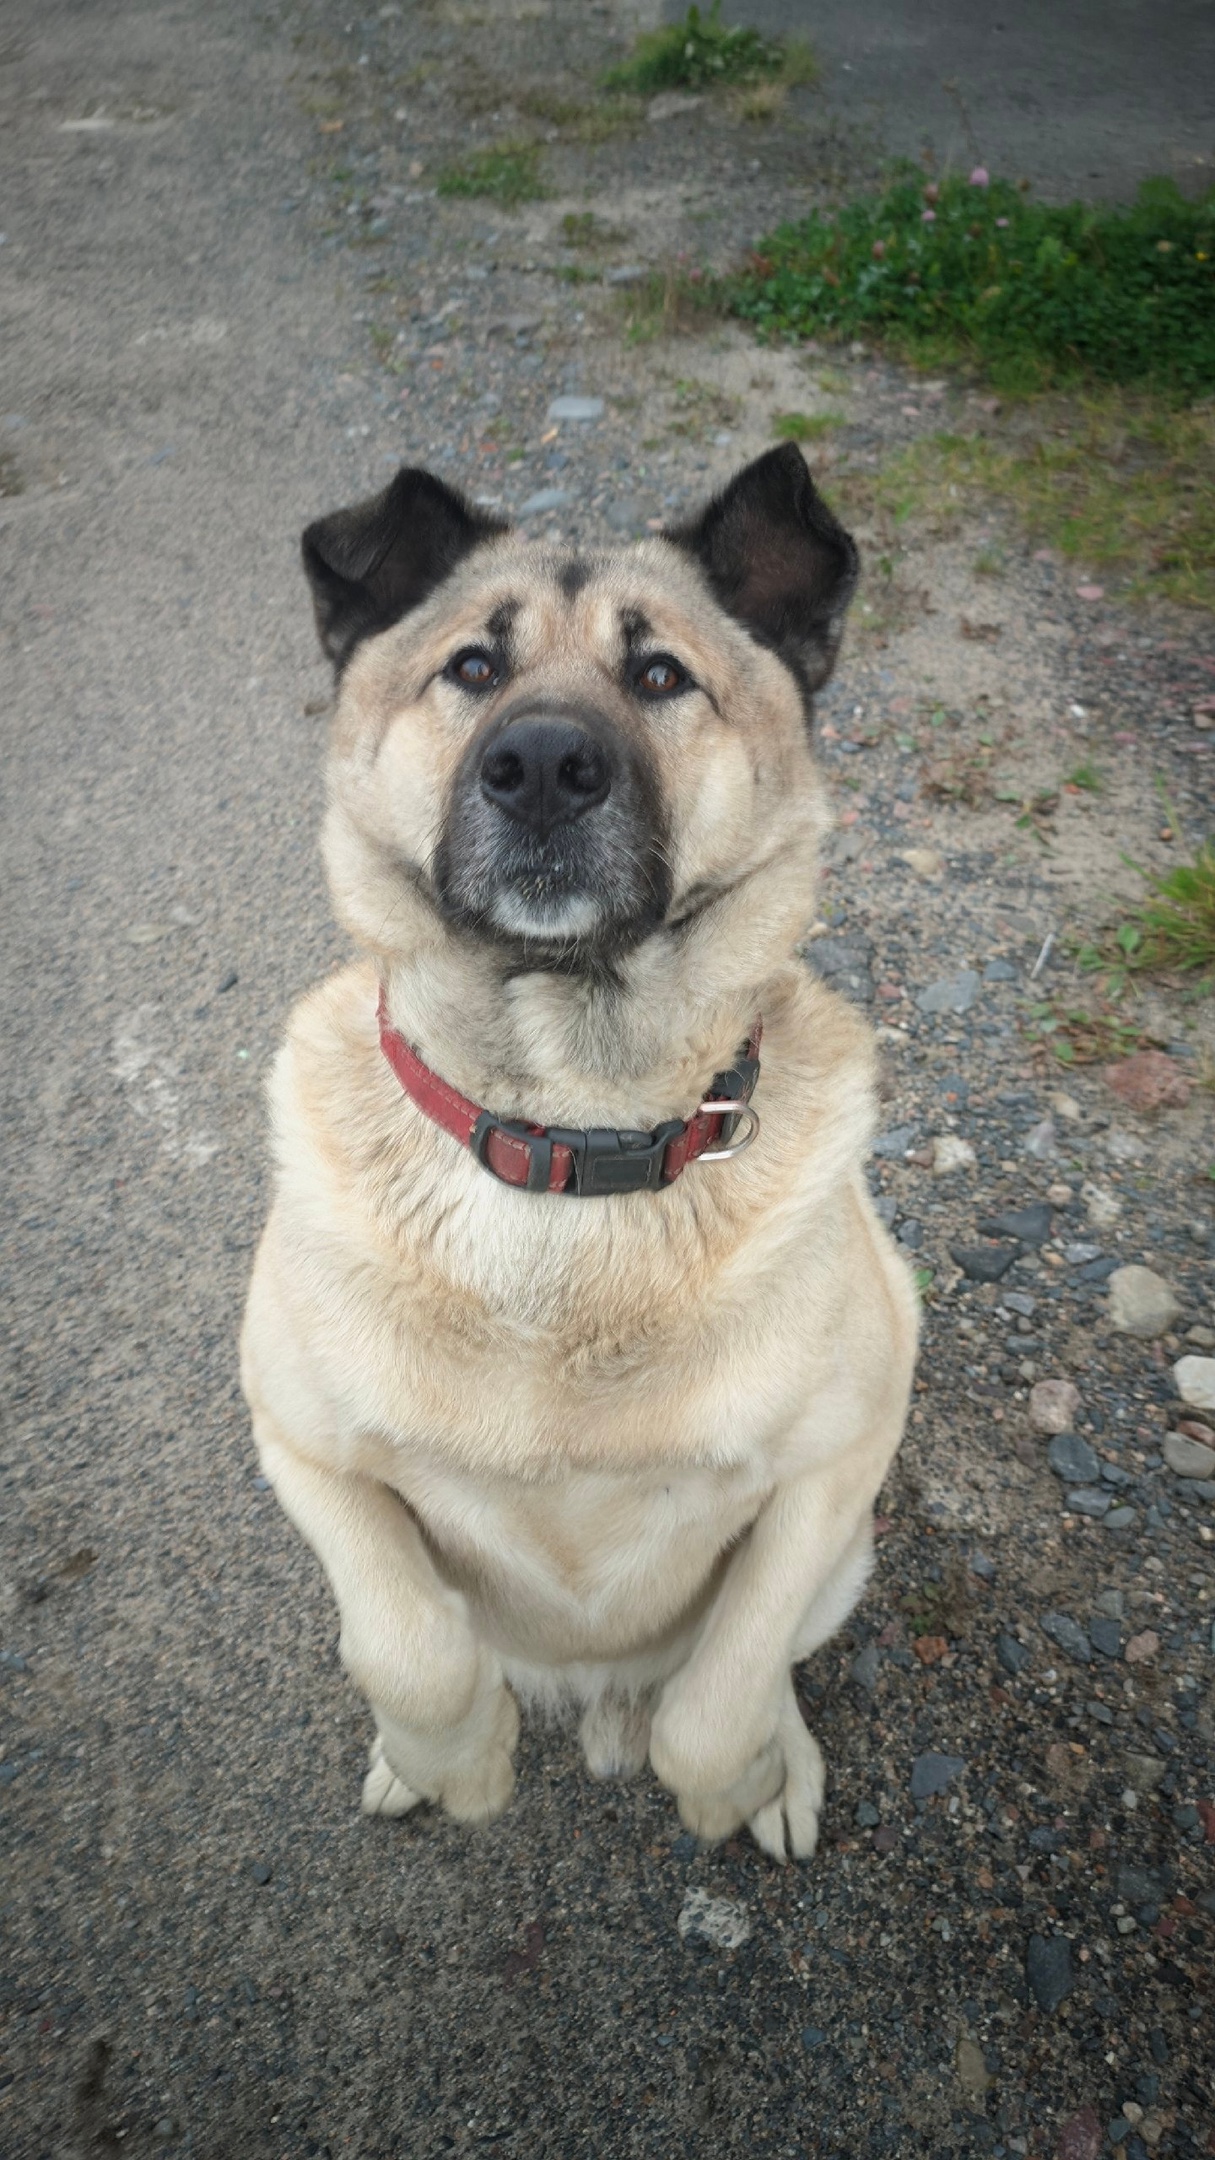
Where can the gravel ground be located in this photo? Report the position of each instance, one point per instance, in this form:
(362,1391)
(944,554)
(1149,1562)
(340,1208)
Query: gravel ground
(228,313)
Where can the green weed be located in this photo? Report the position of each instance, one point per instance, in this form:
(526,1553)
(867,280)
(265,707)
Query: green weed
(508,172)
(805,427)
(1171,931)
(1087,777)
(1111,480)
(702,52)
(973,270)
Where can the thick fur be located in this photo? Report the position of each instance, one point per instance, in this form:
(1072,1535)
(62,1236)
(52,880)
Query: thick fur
(615,1452)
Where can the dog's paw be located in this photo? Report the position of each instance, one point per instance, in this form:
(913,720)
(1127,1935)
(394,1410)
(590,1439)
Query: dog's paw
(712,1816)
(384,1793)
(478,1787)
(615,1736)
(786,1827)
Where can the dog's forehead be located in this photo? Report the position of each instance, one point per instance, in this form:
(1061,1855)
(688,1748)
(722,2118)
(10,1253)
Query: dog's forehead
(533,595)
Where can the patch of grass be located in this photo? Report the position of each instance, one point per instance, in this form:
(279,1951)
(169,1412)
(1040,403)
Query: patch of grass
(805,427)
(1080,1035)
(1114,481)
(702,52)
(989,563)
(1037,293)
(670,303)
(1171,931)
(508,172)
(1086,777)
(702,409)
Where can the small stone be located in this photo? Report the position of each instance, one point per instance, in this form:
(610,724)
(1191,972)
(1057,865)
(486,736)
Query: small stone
(951,994)
(866,1817)
(576,408)
(813,2036)
(1125,1147)
(998,971)
(163,2127)
(1066,1107)
(1144,1772)
(1048,1968)
(1148,1081)
(553,498)
(1185,1817)
(1079,1255)
(932,1773)
(670,105)
(1090,1500)
(925,861)
(1112,1603)
(229,982)
(1143,1304)
(1030,1224)
(1019,1301)
(1071,1638)
(1105,1635)
(1188,1458)
(721,1922)
(865,1668)
(1053,1405)
(891,1146)
(972,2071)
(984,1263)
(1103,1207)
(1195,1377)
(1204,1337)
(885,1838)
(260,1870)
(1013,1655)
(626,274)
(1041,1142)
(951,1153)
(1121,1518)
(1072,1459)
(1080,2138)
(1142,1647)
(1059,1195)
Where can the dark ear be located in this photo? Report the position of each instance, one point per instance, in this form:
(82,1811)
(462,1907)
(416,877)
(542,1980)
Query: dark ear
(777,559)
(369,565)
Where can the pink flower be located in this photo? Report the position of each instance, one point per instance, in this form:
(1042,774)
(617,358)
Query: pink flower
(879,249)
(980,176)
(928,217)
(1002,221)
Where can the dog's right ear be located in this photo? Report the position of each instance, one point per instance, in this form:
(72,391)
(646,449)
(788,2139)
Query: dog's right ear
(369,565)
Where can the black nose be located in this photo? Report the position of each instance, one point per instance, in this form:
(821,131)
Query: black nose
(544,772)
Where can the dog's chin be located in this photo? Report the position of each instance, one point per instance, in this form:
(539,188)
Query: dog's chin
(564,919)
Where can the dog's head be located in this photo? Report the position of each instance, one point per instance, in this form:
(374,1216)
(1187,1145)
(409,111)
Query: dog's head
(565,755)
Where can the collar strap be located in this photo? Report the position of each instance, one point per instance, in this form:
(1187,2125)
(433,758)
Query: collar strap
(562,1159)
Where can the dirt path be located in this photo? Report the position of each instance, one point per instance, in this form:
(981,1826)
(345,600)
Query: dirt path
(226,312)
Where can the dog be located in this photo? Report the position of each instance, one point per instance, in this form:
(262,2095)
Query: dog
(574,1347)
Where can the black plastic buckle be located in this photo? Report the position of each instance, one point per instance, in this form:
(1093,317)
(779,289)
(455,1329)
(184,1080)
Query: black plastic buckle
(606,1161)
(540,1161)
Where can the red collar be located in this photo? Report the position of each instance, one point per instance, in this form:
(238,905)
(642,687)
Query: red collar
(558,1158)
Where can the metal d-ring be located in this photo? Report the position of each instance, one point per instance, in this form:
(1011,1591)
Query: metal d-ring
(736,1147)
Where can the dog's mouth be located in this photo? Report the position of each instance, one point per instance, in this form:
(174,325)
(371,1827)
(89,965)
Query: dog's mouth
(553,839)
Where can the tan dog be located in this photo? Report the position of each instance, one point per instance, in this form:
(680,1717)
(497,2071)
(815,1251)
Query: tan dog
(617,1445)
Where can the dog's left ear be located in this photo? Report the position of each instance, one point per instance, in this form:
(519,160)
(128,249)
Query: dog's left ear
(779,561)
(369,565)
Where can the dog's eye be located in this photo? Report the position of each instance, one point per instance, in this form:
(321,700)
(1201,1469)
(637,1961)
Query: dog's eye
(660,677)
(473,670)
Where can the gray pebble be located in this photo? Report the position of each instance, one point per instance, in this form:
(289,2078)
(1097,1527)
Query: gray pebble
(260,1870)
(1111,1602)
(1089,1500)
(951,994)
(999,971)
(1013,1655)
(1077,1255)
(1105,1635)
(1019,1301)
(893,1145)
(865,1667)
(1121,1518)
(931,1773)
(544,499)
(1072,1459)
(1048,1969)
(868,1818)
(984,1263)
(1070,1637)
(576,408)
(1030,1224)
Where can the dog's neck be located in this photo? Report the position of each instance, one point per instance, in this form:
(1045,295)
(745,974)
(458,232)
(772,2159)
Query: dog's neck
(558,1047)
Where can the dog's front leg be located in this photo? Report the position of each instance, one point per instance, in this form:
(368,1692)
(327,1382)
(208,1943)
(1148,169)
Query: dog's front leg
(728,1737)
(447,1724)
